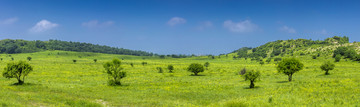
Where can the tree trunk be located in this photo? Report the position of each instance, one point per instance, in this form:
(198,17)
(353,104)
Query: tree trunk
(20,82)
(327,73)
(195,73)
(290,77)
(252,85)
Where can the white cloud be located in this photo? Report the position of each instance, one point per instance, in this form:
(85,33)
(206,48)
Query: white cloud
(95,23)
(323,32)
(287,29)
(9,21)
(204,25)
(176,20)
(43,26)
(244,26)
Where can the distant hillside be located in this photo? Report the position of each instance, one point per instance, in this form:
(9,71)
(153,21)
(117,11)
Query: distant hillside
(293,47)
(23,46)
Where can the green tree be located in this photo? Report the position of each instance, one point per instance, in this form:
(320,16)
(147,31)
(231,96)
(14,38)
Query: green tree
(195,68)
(74,60)
(29,58)
(327,66)
(290,66)
(132,64)
(170,68)
(95,60)
(115,72)
(252,76)
(337,58)
(206,64)
(143,63)
(18,70)
(159,69)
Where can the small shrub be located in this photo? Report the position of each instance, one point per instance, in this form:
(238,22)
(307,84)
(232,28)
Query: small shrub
(314,57)
(74,60)
(29,58)
(170,68)
(337,58)
(114,71)
(95,60)
(243,71)
(206,64)
(160,70)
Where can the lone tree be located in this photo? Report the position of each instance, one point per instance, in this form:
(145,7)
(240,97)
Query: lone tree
(74,60)
(170,68)
(143,63)
(95,60)
(29,58)
(159,69)
(290,66)
(327,66)
(114,71)
(195,68)
(207,64)
(252,76)
(18,70)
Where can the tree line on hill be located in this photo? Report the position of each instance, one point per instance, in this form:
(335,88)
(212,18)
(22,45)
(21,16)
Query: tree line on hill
(22,46)
(282,47)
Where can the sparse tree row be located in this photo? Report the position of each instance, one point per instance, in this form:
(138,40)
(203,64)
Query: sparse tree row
(115,71)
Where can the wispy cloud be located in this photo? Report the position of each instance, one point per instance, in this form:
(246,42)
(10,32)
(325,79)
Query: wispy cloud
(9,21)
(176,20)
(43,25)
(323,32)
(204,25)
(95,23)
(242,26)
(287,29)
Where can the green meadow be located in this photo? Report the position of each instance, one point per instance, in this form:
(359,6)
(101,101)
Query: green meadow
(58,81)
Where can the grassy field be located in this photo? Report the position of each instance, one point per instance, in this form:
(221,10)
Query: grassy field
(57,81)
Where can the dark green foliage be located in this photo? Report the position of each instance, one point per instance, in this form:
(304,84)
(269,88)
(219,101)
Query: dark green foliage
(337,39)
(243,71)
(22,46)
(143,63)
(327,66)
(313,56)
(160,70)
(18,70)
(261,63)
(195,68)
(170,68)
(337,58)
(347,52)
(277,59)
(95,60)
(12,58)
(206,64)
(243,52)
(132,64)
(114,71)
(290,66)
(1,59)
(268,60)
(74,60)
(162,56)
(252,76)
(29,58)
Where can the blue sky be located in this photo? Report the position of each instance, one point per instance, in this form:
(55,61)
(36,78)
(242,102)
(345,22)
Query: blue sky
(179,26)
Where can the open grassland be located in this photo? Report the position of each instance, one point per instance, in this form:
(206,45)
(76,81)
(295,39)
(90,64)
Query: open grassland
(58,81)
